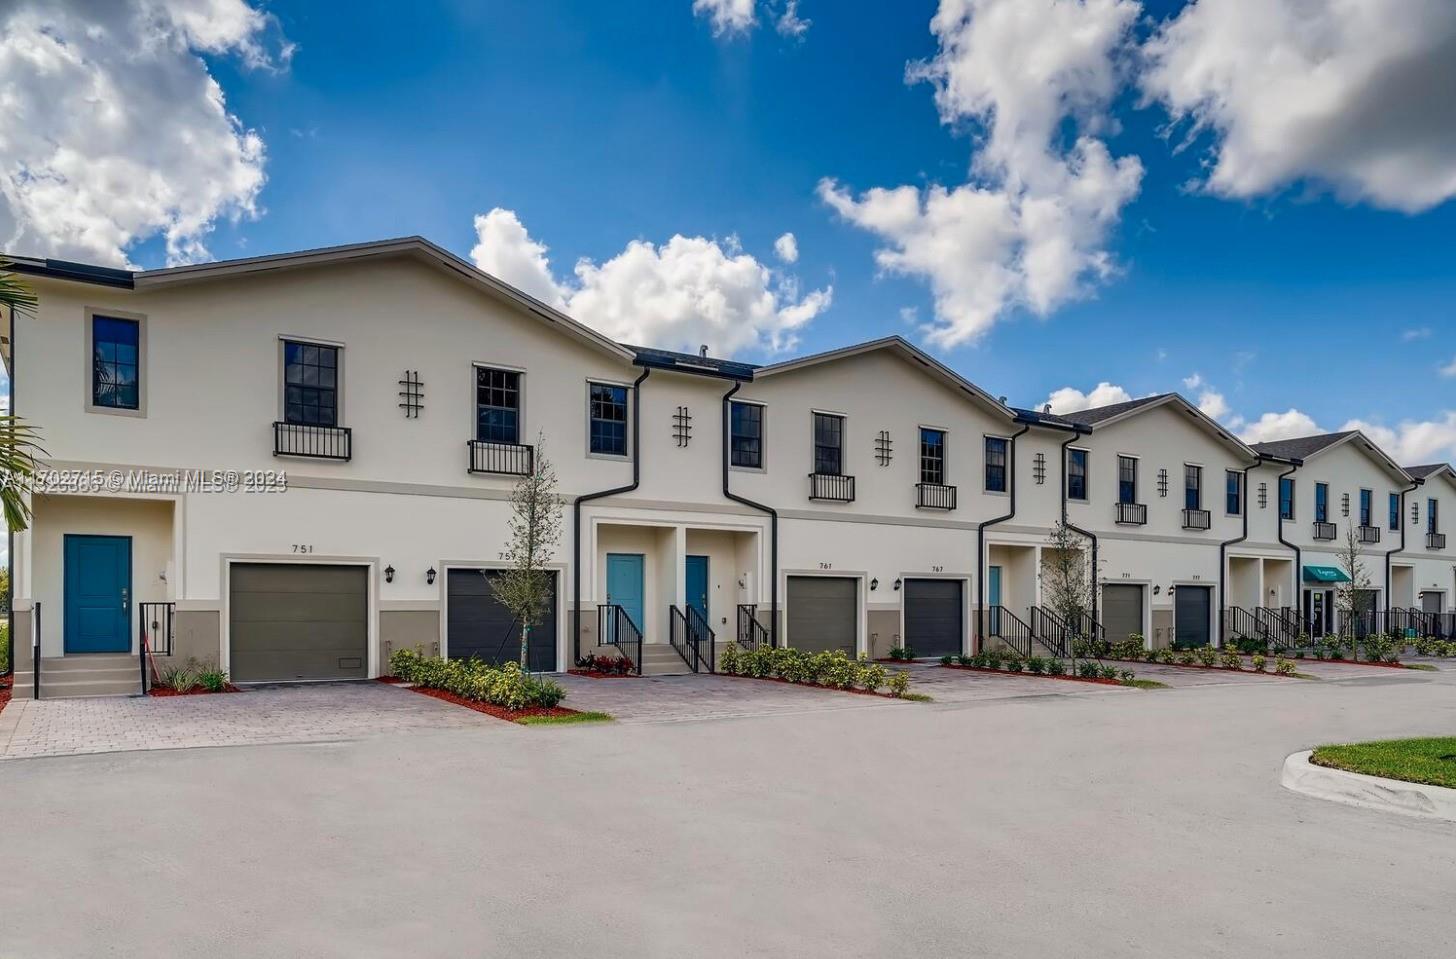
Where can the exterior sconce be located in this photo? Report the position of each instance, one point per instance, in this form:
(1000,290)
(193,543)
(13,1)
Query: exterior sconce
(874,585)
(1170,590)
(1157,590)
(389,574)
(897,584)
(430,576)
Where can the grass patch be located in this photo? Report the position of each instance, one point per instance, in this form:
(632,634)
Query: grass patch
(1145,684)
(916,697)
(1428,761)
(570,720)
(1423,667)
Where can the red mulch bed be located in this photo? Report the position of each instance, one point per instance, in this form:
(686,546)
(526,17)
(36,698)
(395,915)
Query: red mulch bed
(898,662)
(1006,672)
(593,674)
(391,680)
(1218,669)
(194,691)
(832,689)
(4,692)
(499,712)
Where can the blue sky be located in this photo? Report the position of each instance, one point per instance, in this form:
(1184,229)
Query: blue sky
(600,124)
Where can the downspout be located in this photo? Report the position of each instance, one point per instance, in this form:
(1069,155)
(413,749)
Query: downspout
(1298,599)
(9,664)
(602,494)
(773,535)
(1401,548)
(1081,431)
(1223,561)
(981,543)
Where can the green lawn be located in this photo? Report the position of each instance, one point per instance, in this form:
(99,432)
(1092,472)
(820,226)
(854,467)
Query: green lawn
(1145,684)
(565,720)
(1429,761)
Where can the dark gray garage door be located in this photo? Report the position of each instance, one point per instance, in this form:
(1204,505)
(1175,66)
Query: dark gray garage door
(823,613)
(478,625)
(933,616)
(1191,607)
(1122,612)
(294,621)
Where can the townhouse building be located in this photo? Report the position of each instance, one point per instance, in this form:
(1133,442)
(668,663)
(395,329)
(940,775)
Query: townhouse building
(293,465)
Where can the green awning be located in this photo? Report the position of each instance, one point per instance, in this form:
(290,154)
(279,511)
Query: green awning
(1325,574)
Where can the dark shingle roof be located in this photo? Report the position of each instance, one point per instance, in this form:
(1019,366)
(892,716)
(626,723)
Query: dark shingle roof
(1098,414)
(1300,447)
(1037,417)
(692,363)
(1421,472)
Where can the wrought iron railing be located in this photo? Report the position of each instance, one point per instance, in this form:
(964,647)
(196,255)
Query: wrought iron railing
(1006,626)
(1132,514)
(314,442)
(751,632)
(935,496)
(1281,624)
(1324,530)
(1369,534)
(1435,541)
(35,650)
(1085,627)
(679,636)
(700,634)
(1050,631)
(1197,519)
(832,487)
(155,632)
(1245,623)
(507,459)
(615,628)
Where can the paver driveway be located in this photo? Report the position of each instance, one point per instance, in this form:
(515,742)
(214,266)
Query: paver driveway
(649,699)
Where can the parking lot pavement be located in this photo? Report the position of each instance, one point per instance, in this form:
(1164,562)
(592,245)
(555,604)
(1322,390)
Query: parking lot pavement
(649,699)
(969,685)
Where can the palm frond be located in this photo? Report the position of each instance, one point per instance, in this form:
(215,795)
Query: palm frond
(15,294)
(19,447)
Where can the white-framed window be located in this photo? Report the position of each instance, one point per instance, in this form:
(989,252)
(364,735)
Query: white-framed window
(116,362)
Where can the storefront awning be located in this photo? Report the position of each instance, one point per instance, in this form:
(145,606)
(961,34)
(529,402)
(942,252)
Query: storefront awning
(1325,574)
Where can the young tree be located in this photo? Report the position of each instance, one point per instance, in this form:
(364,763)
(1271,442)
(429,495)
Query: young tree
(1066,581)
(1349,595)
(535,530)
(19,442)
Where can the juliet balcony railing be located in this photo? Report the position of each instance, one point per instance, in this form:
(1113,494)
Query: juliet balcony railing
(314,442)
(1435,541)
(831,487)
(1324,530)
(1196,519)
(1132,514)
(935,496)
(1369,534)
(505,459)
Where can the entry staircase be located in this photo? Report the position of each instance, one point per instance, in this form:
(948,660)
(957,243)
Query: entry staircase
(73,677)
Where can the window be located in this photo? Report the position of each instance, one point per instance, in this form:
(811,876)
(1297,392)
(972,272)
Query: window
(1234,492)
(1395,511)
(996,464)
(1192,487)
(497,405)
(932,457)
(115,363)
(1366,519)
(1433,522)
(1077,474)
(608,419)
(828,444)
(1286,497)
(746,432)
(310,384)
(1322,502)
(1127,479)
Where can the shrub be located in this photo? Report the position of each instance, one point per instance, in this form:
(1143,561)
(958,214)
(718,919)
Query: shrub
(1127,675)
(1186,657)
(728,662)
(621,665)
(1015,664)
(1130,648)
(506,686)
(213,679)
(1036,665)
(1284,667)
(1087,669)
(948,660)
(1107,672)
(1230,659)
(897,653)
(1260,662)
(1206,655)
(1250,644)
(872,676)
(181,678)
(1380,648)
(899,683)
(1055,667)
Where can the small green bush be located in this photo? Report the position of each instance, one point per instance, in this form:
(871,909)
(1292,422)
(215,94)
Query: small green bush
(505,686)
(1087,669)
(1036,665)
(1260,662)
(1055,667)
(872,676)
(948,660)
(182,678)
(1016,664)
(1107,672)
(899,683)
(1284,667)
(1206,655)
(213,680)
(728,660)
(1230,659)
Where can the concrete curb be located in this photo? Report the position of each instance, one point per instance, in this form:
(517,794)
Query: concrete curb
(1368,792)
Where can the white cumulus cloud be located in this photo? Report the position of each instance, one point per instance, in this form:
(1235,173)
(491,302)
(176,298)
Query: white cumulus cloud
(1413,442)
(1351,95)
(786,248)
(677,295)
(1030,227)
(114,129)
(1279,426)
(732,18)
(1449,369)
(1069,399)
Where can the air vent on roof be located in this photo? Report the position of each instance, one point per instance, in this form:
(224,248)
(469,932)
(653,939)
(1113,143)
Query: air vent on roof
(703,351)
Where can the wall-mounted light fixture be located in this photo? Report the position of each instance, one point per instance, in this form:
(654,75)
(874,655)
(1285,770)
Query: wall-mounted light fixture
(874,585)
(1157,590)
(897,584)
(389,574)
(430,576)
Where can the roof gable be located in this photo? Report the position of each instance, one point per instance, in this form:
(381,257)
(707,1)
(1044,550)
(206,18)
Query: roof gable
(1306,448)
(1102,417)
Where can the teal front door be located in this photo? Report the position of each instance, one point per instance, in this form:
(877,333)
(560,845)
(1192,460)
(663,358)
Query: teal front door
(624,584)
(993,599)
(97,594)
(697,584)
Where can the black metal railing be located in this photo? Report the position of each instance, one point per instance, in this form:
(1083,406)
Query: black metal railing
(1435,541)
(751,632)
(1085,627)
(1001,623)
(1197,519)
(935,496)
(155,631)
(1280,624)
(679,638)
(1324,530)
(1247,624)
(700,634)
(1132,514)
(615,628)
(1369,534)
(35,650)
(1434,625)
(1050,631)
(507,459)
(315,442)
(833,487)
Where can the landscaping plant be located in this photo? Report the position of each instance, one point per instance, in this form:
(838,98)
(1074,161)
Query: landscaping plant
(527,586)
(1206,655)
(1260,662)
(1230,659)
(1055,667)
(899,683)
(507,686)
(1284,667)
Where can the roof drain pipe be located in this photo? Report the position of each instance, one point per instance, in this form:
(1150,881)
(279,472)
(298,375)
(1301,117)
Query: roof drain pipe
(981,547)
(1081,431)
(773,519)
(1223,561)
(602,494)
(1400,518)
(1279,532)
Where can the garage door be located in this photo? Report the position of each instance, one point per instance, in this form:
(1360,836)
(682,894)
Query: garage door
(478,625)
(1191,608)
(292,621)
(823,613)
(933,616)
(1122,612)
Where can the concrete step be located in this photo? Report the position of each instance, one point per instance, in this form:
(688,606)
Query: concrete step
(53,665)
(71,688)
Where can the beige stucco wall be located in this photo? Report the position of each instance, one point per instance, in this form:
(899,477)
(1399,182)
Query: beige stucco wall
(407,629)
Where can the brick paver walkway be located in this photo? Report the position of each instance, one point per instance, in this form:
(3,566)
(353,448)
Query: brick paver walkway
(276,714)
(649,699)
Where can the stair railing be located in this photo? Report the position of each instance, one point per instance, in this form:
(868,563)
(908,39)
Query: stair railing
(35,651)
(751,632)
(615,627)
(1050,631)
(702,634)
(680,638)
(1009,628)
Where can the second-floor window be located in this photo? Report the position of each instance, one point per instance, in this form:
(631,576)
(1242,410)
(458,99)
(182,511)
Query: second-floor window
(1077,474)
(828,444)
(1395,511)
(746,443)
(996,464)
(310,384)
(1192,487)
(115,363)
(1286,497)
(1366,508)
(1127,479)
(932,457)
(497,405)
(1234,492)
(608,419)
(1321,502)
(1433,521)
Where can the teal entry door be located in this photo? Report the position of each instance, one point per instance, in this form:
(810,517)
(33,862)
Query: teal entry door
(697,584)
(97,594)
(624,584)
